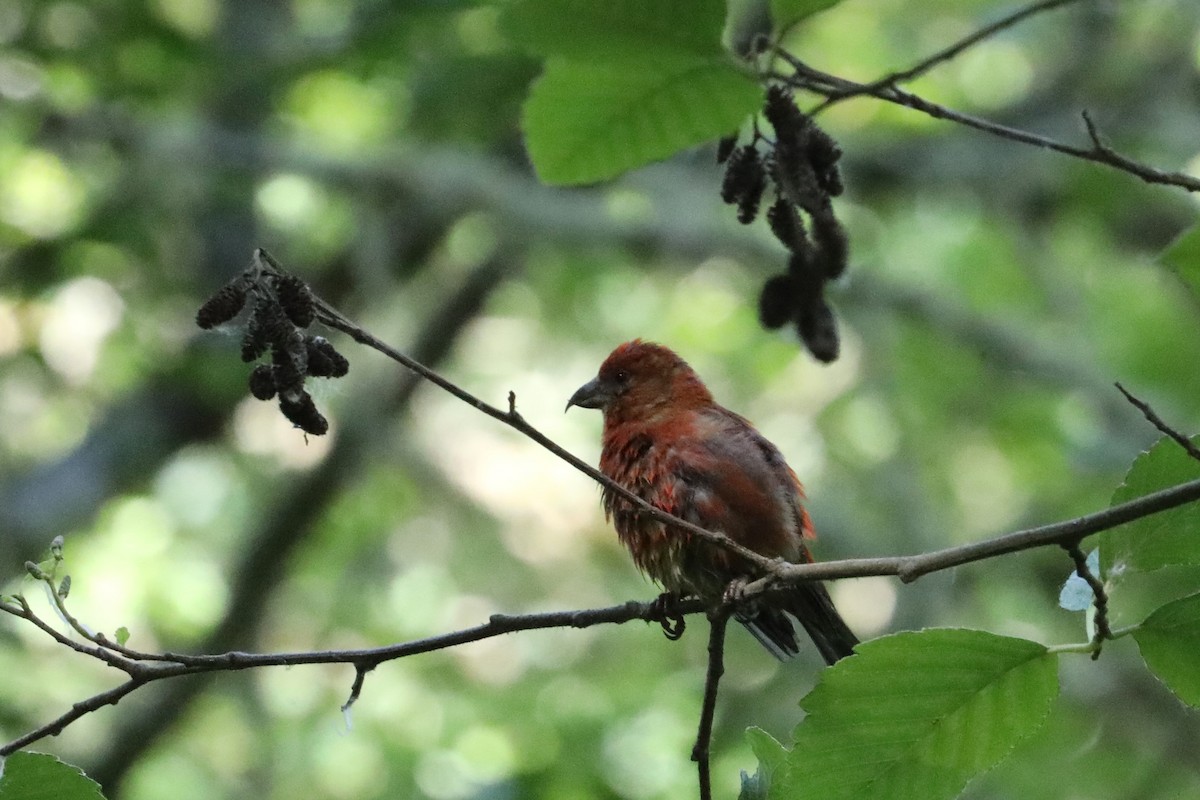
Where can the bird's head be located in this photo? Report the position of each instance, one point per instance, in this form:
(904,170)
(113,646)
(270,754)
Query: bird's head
(640,380)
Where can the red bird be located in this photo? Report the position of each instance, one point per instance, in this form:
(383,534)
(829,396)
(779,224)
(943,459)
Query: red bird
(667,441)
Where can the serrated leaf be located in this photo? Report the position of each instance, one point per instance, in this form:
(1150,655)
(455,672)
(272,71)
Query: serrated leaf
(38,776)
(769,752)
(771,756)
(1076,594)
(614,30)
(1162,539)
(589,122)
(785,13)
(1170,643)
(916,715)
(1182,257)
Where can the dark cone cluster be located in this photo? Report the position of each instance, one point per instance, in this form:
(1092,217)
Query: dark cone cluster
(281,307)
(801,166)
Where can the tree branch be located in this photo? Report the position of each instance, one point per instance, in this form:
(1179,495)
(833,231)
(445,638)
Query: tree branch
(832,86)
(944,55)
(907,568)
(718,621)
(331,317)
(1157,421)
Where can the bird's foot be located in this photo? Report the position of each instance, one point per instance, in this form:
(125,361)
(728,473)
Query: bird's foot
(734,596)
(665,608)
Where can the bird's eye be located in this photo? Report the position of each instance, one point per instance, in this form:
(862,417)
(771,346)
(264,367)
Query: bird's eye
(622,376)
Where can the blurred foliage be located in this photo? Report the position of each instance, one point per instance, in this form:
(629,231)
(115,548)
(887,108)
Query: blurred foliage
(995,293)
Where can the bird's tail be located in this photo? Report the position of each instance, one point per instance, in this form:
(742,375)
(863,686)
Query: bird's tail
(810,603)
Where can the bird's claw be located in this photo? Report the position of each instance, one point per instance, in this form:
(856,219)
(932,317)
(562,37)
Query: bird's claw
(735,592)
(665,608)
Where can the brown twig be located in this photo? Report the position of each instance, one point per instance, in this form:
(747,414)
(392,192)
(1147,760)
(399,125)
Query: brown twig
(331,317)
(891,80)
(718,621)
(1103,631)
(1157,421)
(909,568)
(364,660)
(831,86)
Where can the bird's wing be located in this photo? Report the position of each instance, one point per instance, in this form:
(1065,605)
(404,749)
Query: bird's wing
(731,479)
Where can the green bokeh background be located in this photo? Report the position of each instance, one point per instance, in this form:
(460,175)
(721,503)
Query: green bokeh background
(995,293)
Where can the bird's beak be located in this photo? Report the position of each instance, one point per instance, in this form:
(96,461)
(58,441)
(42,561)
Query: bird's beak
(593,394)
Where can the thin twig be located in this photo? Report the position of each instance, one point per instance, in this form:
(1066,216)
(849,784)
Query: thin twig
(181,664)
(56,726)
(1103,631)
(944,55)
(718,620)
(1157,422)
(330,316)
(360,675)
(830,86)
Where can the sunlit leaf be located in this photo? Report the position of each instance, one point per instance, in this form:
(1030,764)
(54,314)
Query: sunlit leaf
(1170,642)
(1182,257)
(1162,539)
(916,715)
(588,122)
(786,13)
(122,635)
(38,776)
(613,30)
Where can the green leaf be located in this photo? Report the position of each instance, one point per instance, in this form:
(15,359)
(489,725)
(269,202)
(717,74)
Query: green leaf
(122,635)
(771,756)
(614,30)
(786,13)
(38,776)
(589,122)
(1162,539)
(769,752)
(1170,643)
(1182,257)
(916,715)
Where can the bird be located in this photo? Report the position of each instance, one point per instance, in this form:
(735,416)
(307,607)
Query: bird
(666,440)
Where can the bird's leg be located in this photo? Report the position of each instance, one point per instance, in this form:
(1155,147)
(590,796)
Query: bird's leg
(665,608)
(735,593)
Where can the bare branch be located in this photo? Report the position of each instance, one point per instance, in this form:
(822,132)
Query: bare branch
(1103,631)
(831,86)
(942,56)
(94,703)
(1157,422)
(718,621)
(363,660)
(907,568)
(330,316)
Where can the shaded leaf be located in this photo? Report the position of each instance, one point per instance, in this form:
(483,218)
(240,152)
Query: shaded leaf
(916,715)
(588,122)
(786,13)
(1170,643)
(614,30)
(771,756)
(1182,257)
(1162,539)
(38,776)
